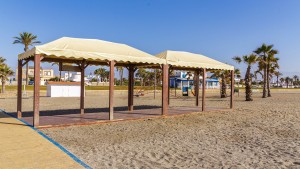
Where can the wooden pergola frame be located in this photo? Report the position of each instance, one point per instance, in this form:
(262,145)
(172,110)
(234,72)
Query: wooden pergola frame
(38,58)
(197,81)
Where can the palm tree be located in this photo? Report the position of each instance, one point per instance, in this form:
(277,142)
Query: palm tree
(291,81)
(100,72)
(106,75)
(157,76)
(142,74)
(256,78)
(296,79)
(287,80)
(2,60)
(150,77)
(272,65)
(282,80)
(223,74)
(120,69)
(27,39)
(277,74)
(237,73)
(5,72)
(249,60)
(263,53)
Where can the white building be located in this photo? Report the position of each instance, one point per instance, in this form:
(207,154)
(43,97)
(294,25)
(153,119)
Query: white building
(73,77)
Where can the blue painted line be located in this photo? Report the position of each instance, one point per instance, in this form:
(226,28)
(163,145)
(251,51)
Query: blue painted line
(52,141)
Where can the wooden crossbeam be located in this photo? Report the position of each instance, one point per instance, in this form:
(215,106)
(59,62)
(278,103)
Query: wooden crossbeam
(26,61)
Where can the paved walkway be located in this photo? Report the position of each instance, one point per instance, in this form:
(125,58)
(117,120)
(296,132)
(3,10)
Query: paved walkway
(23,147)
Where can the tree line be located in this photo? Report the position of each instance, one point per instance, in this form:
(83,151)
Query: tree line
(5,72)
(25,38)
(289,81)
(267,66)
(147,77)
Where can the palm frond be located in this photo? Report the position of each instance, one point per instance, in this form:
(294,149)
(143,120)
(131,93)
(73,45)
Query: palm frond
(237,59)
(27,39)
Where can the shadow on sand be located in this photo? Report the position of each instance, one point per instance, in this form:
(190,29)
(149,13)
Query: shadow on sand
(121,110)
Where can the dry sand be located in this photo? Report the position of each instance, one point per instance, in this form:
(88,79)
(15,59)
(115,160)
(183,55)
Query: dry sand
(264,133)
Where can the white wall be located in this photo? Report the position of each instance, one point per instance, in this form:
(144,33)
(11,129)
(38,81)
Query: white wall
(63,91)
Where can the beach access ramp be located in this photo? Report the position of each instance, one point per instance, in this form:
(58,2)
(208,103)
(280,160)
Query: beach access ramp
(21,146)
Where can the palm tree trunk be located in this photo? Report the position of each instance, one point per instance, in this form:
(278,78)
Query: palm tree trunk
(3,85)
(121,79)
(26,74)
(265,82)
(277,81)
(97,80)
(268,80)
(248,85)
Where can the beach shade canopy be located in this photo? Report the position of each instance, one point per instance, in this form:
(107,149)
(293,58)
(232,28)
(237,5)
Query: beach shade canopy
(187,60)
(93,50)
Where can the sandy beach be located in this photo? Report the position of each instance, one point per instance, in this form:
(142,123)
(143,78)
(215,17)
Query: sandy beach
(150,84)
(262,134)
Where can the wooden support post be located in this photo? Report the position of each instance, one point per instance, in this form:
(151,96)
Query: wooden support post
(130,87)
(169,72)
(82,67)
(197,86)
(26,74)
(36,92)
(232,89)
(204,90)
(60,69)
(111,89)
(165,86)
(155,83)
(175,86)
(19,96)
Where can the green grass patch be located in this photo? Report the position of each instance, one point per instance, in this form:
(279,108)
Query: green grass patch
(28,88)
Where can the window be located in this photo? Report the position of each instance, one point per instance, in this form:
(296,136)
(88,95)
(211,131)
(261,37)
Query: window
(47,73)
(31,72)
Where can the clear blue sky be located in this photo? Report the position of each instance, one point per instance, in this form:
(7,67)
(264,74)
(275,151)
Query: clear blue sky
(217,28)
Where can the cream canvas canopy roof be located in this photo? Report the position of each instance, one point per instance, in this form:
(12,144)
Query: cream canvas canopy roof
(91,50)
(179,59)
